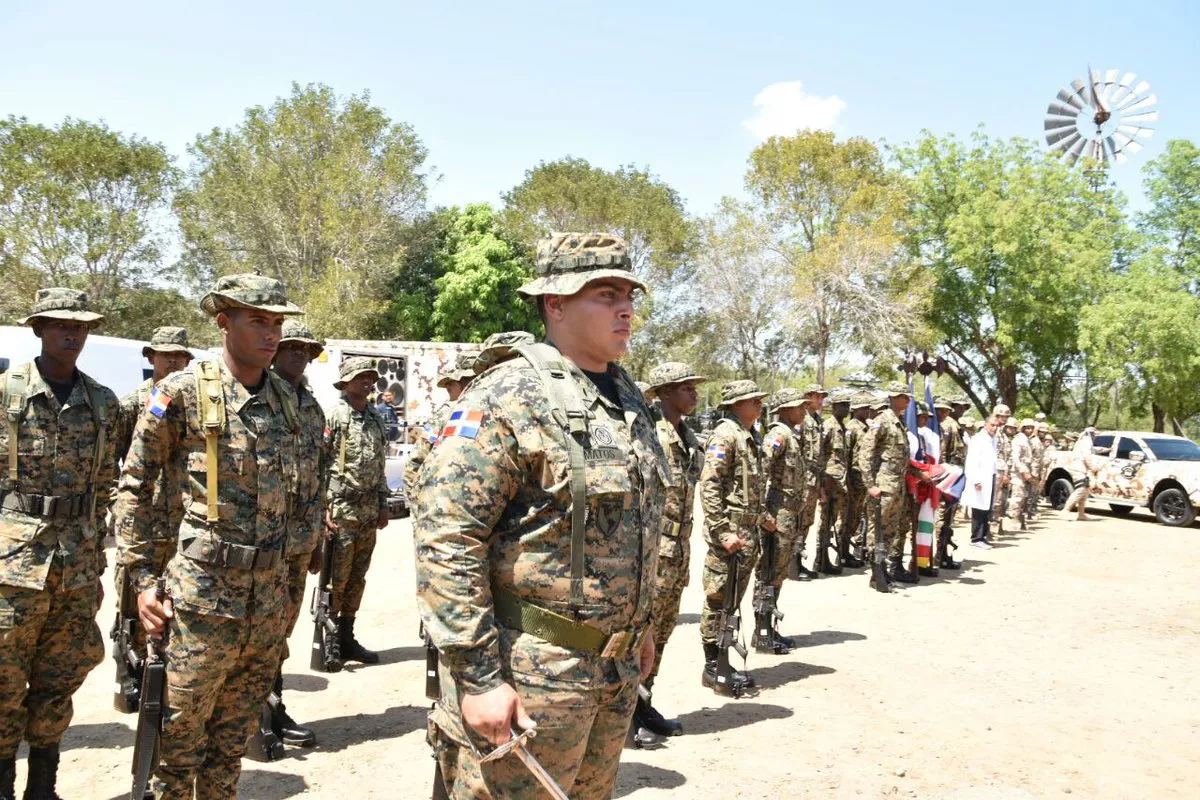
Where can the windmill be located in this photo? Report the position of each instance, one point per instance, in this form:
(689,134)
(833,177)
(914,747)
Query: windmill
(1101,118)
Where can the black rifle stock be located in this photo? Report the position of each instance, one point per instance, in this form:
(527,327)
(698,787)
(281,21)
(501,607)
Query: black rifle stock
(151,710)
(128,687)
(265,744)
(433,689)
(326,653)
(766,610)
(729,624)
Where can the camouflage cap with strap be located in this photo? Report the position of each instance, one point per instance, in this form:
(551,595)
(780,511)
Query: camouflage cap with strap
(735,391)
(247,291)
(669,373)
(815,388)
(566,262)
(500,347)
(61,303)
(786,398)
(841,396)
(895,389)
(923,409)
(168,339)
(461,370)
(296,331)
(861,400)
(942,403)
(352,367)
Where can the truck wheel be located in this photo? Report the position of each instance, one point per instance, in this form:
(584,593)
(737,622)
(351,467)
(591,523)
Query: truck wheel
(1060,490)
(1120,511)
(1172,507)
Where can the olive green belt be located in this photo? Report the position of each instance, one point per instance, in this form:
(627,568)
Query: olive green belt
(514,612)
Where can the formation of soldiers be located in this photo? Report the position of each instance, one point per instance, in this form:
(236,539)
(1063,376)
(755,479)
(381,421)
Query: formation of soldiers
(552,504)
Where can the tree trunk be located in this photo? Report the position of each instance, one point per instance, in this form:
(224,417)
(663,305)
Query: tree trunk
(1006,386)
(821,352)
(1160,418)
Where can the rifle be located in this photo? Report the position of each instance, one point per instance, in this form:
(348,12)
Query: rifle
(326,648)
(152,709)
(912,538)
(728,624)
(265,744)
(516,746)
(128,688)
(821,562)
(433,689)
(766,611)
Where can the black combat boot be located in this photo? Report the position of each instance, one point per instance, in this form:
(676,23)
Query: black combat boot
(286,728)
(797,571)
(43,773)
(945,561)
(8,778)
(767,640)
(845,556)
(351,649)
(828,566)
(898,573)
(651,719)
(879,577)
(742,680)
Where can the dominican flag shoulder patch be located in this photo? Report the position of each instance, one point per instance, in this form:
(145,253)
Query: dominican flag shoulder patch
(775,441)
(463,422)
(716,450)
(157,402)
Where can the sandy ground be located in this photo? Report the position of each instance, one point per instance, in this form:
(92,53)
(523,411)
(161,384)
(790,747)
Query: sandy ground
(1061,662)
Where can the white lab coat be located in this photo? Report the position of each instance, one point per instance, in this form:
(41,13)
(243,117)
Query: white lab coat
(981,469)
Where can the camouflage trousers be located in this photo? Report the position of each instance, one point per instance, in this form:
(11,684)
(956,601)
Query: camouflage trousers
(888,521)
(162,552)
(787,530)
(580,734)
(353,545)
(852,522)
(716,578)
(297,576)
(49,642)
(1018,493)
(671,577)
(808,513)
(999,503)
(833,511)
(1033,495)
(219,669)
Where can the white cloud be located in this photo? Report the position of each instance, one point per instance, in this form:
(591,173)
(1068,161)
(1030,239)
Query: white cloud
(784,108)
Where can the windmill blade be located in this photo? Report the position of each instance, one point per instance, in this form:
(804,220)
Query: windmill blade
(1070,99)
(1076,149)
(1132,106)
(1091,87)
(1055,123)
(1115,150)
(1066,142)
(1081,91)
(1062,110)
(1123,88)
(1135,132)
(1145,116)
(1054,137)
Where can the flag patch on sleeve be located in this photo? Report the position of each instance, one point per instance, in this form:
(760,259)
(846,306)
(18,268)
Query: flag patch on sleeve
(463,422)
(716,450)
(431,435)
(157,402)
(776,442)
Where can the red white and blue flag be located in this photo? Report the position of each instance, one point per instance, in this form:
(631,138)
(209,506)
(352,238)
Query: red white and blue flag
(157,402)
(463,422)
(716,450)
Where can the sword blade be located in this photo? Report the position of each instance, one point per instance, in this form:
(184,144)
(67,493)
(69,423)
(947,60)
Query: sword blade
(544,778)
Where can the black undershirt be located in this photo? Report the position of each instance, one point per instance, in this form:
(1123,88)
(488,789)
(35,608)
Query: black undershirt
(256,388)
(62,391)
(606,384)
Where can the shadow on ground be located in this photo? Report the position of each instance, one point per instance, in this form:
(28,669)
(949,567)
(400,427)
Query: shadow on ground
(734,714)
(338,733)
(785,672)
(302,682)
(633,776)
(392,655)
(99,735)
(688,619)
(818,638)
(263,785)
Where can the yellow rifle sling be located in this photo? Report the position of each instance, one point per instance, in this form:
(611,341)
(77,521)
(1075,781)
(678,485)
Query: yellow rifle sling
(211,398)
(17,386)
(95,401)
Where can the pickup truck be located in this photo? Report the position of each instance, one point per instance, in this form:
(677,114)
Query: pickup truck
(1148,470)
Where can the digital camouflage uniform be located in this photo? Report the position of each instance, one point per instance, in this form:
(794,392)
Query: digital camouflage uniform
(811,439)
(732,493)
(685,458)
(494,531)
(1000,489)
(306,517)
(883,462)
(463,370)
(1021,460)
(228,579)
(953,451)
(784,475)
(856,488)
(834,456)
(52,513)
(356,443)
(1033,492)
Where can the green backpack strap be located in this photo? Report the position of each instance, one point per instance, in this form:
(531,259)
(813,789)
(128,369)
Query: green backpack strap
(210,395)
(566,406)
(16,391)
(98,402)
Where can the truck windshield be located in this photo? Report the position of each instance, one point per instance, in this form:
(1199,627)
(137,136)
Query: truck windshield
(1174,449)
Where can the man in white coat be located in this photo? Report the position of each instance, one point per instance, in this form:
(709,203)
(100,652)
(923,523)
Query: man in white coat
(981,476)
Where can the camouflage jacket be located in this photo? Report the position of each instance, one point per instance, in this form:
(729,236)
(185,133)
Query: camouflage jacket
(1003,452)
(811,437)
(256,476)
(731,485)
(685,459)
(834,453)
(883,458)
(56,449)
(953,449)
(420,452)
(494,513)
(306,514)
(356,442)
(167,503)
(784,468)
(1021,456)
(1039,455)
(856,432)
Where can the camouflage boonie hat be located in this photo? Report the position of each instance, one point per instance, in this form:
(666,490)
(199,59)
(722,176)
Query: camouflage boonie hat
(462,371)
(671,372)
(1002,410)
(968,421)
(815,388)
(247,291)
(1028,423)
(642,387)
(733,391)
(352,367)
(960,400)
(861,400)
(167,339)
(566,262)
(786,398)
(60,303)
(500,347)
(896,389)
(296,331)
(923,409)
(841,396)
(1043,427)
(941,402)
(1010,423)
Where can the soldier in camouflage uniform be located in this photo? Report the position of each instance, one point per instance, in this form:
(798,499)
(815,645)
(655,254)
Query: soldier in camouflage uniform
(1034,490)
(953,451)
(834,455)
(883,462)
(306,513)
(454,379)
(167,353)
(230,425)
(674,386)
(814,396)
(537,540)
(732,492)
(856,487)
(784,476)
(1022,472)
(1003,457)
(356,445)
(59,448)
(498,348)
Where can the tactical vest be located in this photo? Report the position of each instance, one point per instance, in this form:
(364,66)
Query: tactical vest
(16,391)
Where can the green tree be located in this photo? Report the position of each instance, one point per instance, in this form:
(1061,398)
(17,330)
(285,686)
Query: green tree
(317,191)
(480,269)
(80,205)
(1017,244)
(1173,221)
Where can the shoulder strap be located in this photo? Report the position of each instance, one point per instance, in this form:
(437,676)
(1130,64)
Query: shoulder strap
(210,395)
(98,402)
(17,385)
(341,421)
(566,406)
(287,399)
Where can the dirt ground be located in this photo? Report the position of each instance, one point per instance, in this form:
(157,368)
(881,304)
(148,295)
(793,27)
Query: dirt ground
(1061,662)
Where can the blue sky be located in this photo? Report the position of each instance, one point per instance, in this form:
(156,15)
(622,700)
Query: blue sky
(492,88)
